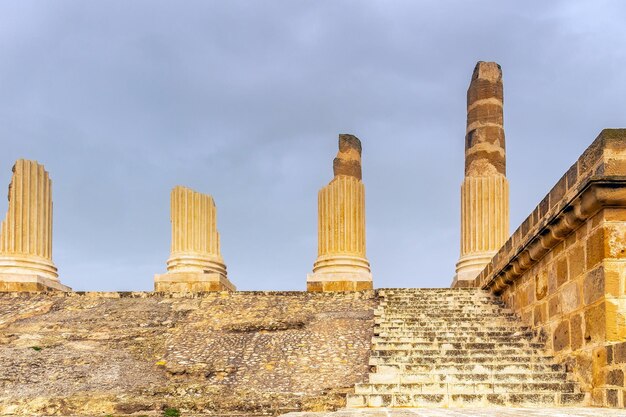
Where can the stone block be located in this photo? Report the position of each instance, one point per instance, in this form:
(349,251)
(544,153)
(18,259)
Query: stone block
(615,234)
(595,248)
(554,305)
(615,378)
(29,283)
(612,398)
(561,336)
(619,353)
(593,285)
(338,286)
(576,331)
(598,366)
(562,275)
(615,319)
(552,280)
(576,258)
(613,272)
(570,298)
(540,313)
(541,285)
(192,282)
(595,324)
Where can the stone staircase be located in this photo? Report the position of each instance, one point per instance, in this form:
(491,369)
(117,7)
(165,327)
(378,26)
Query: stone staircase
(458,348)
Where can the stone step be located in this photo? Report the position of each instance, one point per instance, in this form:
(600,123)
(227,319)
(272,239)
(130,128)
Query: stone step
(423,329)
(460,321)
(492,377)
(465,400)
(417,360)
(447,348)
(445,313)
(447,345)
(434,319)
(425,326)
(466,388)
(434,354)
(462,340)
(426,333)
(500,367)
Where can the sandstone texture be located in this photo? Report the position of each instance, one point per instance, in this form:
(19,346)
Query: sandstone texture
(348,160)
(229,353)
(342,263)
(563,269)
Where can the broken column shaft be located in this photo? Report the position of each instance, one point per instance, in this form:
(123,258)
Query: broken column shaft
(195,263)
(485,189)
(341,264)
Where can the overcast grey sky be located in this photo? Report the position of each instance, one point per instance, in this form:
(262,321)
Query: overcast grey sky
(244,100)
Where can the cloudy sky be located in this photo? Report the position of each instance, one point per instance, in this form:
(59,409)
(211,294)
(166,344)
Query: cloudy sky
(244,100)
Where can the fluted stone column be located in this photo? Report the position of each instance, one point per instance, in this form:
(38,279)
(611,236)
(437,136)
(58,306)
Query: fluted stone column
(341,263)
(485,189)
(26,232)
(195,263)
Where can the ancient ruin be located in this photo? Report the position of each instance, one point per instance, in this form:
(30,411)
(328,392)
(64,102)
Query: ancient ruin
(341,264)
(534,319)
(26,234)
(485,189)
(195,263)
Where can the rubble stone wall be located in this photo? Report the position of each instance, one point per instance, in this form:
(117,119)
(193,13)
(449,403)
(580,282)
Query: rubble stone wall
(123,353)
(564,269)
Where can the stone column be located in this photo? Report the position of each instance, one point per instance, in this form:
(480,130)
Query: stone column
(341,263)
(26,232)
(195,263)
(485,189)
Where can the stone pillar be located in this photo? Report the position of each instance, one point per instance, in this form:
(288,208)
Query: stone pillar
(341,263)
(195,263)
(485,189)
(26,232)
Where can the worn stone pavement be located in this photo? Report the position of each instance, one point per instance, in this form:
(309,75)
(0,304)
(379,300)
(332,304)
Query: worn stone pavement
(469,412)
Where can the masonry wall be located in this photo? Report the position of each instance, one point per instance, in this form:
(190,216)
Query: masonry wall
(564,270)
(124,353)
(574,297)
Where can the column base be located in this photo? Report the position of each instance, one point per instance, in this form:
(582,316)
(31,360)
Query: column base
(340,281)
(29,283)
(192,282)
(469,267)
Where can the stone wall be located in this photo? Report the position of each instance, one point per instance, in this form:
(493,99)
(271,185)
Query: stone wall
(564,270)
(123,353)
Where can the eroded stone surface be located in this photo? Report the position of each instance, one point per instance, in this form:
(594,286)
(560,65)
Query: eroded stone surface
(243,353)
(348,160)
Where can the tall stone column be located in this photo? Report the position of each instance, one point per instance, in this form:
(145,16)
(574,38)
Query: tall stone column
(341,263)
(485,189)
(195,263)
(26,232)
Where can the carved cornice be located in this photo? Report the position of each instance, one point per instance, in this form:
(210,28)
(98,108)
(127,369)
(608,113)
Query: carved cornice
(598,193)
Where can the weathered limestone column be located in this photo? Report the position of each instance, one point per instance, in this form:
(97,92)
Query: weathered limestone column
(485,189)
(195,262)
(341,263)
(26,232)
